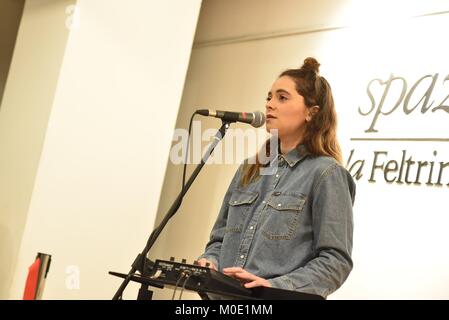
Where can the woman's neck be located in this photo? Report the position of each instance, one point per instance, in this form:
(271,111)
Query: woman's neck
(289,143)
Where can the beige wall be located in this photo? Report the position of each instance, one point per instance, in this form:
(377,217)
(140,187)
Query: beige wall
(10,15)
(234,20)
(90,192)
(24,115)
(240,48)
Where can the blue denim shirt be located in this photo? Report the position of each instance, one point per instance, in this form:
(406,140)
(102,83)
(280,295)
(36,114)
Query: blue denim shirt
(293,228)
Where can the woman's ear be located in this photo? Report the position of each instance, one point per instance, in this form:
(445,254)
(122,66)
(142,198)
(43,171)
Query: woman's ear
(314,110)
(311,112)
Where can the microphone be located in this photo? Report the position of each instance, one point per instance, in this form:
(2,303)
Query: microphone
(256,118)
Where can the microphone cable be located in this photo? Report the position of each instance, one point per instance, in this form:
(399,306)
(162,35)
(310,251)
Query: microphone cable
(144,264)
(187,152)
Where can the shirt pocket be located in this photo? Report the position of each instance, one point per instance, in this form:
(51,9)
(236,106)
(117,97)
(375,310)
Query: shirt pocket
(239,204)
(282,215)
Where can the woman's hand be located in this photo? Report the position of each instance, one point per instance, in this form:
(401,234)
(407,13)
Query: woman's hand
(202,262)
(248,279)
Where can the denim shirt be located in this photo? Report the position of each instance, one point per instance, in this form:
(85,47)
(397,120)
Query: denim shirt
(293,228)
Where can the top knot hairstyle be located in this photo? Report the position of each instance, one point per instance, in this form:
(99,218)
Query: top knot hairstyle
(312,65)
(320,137)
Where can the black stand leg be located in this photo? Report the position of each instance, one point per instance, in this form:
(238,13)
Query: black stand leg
(144,293)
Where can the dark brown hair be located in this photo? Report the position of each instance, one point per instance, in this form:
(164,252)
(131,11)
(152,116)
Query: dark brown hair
(320,138)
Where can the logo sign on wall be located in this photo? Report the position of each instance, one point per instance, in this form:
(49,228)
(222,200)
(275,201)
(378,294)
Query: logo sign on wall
(397,100)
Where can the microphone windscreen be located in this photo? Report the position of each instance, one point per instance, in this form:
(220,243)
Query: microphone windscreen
(259,119)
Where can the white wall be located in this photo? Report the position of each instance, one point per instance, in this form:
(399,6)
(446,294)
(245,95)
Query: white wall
(241,47)
(103,161)
(24,113)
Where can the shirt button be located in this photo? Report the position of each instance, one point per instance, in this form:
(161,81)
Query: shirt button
(277,193)
(264,202)
(251,228)
(235,202)
(279,204)
(277,176)
(242,256)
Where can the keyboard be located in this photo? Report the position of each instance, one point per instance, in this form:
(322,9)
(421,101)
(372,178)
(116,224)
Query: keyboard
(196,277)
(206,281)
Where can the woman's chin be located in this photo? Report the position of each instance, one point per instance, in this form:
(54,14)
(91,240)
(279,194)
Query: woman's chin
(270,126)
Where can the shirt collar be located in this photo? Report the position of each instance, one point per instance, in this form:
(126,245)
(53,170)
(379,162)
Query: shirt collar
(295,155)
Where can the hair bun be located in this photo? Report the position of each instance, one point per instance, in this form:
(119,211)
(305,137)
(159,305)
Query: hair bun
(311,64)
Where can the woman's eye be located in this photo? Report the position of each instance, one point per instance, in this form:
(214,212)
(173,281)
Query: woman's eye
(282,98)
(268,98)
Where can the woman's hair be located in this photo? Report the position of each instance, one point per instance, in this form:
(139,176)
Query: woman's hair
(320,138)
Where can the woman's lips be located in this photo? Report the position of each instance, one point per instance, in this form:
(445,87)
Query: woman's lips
(270,116)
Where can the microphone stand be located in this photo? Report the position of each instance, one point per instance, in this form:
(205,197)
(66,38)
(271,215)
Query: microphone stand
(141,260)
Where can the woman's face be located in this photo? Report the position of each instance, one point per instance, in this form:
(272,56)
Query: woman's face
(285,109)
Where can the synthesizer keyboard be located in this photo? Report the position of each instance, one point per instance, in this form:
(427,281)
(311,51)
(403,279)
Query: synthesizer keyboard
(196,277)
(206,281)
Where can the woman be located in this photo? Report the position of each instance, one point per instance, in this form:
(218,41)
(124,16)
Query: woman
(293,229)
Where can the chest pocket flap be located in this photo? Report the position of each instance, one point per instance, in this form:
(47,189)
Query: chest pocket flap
(287,202)
(242,197)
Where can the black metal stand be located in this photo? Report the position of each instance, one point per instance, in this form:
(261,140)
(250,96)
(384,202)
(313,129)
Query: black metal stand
(141,261)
